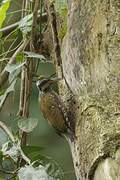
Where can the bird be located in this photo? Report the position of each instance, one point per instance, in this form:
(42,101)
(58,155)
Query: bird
(52,107)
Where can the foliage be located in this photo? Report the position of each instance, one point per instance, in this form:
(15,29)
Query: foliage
(27,124)
(36,166)
(26,23)
(19,64)
(8,90)
(3,10)
(35,55)
(61,7)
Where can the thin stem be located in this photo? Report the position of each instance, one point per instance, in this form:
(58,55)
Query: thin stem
(7,131)
(35,13)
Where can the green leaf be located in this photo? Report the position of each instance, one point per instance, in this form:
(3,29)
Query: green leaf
(39,172)
(3,137)
(54,170)
(29,172)
(14,75)
(26,23)
(9,89)
(31,149)
(34,55)
(11,149)
(51,167)
(14,70)
(27,124)
(3,11)
(33,152)
(14,151)
(13,67)
(20,57)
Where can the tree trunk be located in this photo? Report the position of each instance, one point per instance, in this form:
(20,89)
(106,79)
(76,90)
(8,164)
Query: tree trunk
(91,67)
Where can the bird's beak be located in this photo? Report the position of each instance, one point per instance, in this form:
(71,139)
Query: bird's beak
(55,79)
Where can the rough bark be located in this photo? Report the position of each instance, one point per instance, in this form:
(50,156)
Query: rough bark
(91,66)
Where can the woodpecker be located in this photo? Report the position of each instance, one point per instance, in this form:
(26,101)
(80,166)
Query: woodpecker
(52,107)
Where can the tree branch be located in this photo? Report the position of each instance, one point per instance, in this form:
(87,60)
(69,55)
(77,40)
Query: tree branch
(35,13)
(57,50)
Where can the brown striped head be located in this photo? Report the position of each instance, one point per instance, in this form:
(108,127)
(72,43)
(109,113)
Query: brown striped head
(44,84)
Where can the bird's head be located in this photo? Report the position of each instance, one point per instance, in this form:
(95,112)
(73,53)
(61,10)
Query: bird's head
(44,83)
